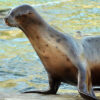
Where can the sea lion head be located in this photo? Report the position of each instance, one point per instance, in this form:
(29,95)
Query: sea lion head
(23,15)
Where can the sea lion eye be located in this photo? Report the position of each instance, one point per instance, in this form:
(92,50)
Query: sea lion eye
(12,14)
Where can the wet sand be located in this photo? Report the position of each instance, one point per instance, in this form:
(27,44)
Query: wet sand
(66,96)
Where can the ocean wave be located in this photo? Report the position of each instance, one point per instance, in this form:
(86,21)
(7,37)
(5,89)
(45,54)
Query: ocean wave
(4,11)
(50,3)
(35,5)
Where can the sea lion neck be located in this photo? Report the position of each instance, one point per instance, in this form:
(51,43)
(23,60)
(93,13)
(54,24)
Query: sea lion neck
(33,30)
(32,25)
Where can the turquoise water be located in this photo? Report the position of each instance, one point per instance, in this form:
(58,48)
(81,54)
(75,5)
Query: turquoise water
(20,67)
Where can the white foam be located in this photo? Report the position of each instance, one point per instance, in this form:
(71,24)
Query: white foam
(50,3)
(12,99)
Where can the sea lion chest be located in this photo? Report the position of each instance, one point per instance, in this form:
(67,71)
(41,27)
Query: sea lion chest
(56,61)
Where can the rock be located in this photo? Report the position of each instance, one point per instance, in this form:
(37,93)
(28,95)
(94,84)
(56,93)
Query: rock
(16,96)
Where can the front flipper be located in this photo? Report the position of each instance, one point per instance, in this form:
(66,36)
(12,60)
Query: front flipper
(41,92)
(85,83)
(54,85)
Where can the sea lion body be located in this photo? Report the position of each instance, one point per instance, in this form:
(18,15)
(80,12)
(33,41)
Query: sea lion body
(65,58)
(54,57)
(91,45)
(61,65)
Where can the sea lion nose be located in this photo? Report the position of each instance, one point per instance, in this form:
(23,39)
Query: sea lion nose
(6,20)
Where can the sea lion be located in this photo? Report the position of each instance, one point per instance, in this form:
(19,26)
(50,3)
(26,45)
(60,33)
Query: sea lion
(65,58)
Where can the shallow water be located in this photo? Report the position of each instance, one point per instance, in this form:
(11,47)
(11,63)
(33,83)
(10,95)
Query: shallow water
(20,67)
